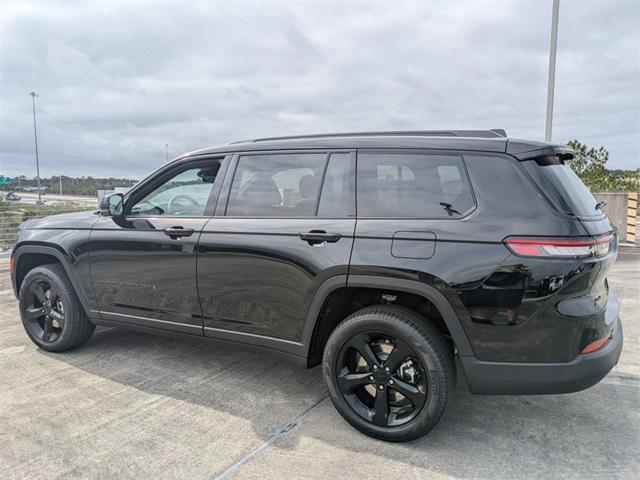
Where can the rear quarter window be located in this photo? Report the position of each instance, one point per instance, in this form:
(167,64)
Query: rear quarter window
(563,187)
(412,186)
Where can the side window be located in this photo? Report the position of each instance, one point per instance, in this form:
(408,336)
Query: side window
(184,194)
(337,196)
(412,185)
(278,185)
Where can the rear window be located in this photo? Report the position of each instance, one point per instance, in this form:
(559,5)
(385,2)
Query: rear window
(412,185)
(563,186)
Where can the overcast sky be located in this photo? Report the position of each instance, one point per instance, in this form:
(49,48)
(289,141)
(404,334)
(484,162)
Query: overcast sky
(118,80)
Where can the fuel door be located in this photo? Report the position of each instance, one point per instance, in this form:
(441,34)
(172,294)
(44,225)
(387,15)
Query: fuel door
(413,244)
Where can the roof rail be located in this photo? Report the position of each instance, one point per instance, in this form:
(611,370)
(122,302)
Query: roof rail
(493,133)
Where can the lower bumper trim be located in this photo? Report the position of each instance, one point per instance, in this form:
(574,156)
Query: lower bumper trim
(507,378)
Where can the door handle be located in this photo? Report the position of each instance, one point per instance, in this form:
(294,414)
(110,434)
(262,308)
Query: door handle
(316,237)
(177,232)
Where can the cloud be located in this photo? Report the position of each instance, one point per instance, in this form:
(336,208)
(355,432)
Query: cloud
(117,81)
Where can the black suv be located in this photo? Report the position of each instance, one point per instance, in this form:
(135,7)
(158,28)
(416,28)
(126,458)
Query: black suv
(381,256)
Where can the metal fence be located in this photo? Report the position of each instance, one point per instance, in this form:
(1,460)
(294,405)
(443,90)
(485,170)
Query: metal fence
(12,215)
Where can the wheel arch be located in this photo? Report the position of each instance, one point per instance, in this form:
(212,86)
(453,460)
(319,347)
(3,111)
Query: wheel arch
(29,256)
(312,335)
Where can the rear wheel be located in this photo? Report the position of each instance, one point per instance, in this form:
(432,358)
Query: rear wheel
(389,372)
(51,311)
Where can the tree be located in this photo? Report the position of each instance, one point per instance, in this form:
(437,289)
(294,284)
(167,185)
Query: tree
(590,165)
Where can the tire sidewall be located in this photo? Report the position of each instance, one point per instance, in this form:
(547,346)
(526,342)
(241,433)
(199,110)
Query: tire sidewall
(434,371)
(68,299)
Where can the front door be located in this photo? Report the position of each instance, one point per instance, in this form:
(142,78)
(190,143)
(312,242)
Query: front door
(286,227)
(143,264)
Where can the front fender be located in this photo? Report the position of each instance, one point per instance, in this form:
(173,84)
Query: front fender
(74,259)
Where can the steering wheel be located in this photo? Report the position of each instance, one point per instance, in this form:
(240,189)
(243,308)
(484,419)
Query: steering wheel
(176,200)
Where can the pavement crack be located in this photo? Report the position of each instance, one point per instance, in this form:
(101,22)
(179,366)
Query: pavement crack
(281,432)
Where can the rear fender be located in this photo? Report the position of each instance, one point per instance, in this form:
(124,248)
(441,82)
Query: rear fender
(397,284)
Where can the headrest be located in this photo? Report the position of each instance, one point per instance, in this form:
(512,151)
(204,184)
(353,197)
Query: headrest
(262,190)
(308,186)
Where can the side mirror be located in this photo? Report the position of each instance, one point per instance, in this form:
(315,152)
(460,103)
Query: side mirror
(112,205)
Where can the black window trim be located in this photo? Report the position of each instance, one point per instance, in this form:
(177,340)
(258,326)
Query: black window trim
(223,201)
(175,168)
(321,185)
(416,151)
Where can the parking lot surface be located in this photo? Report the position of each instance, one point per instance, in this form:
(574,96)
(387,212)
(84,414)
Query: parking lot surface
(131,405)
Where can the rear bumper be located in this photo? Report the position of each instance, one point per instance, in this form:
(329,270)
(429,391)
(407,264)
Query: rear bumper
(505,378)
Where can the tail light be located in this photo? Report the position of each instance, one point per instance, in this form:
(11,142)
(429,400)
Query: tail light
(560,247)
(12,265)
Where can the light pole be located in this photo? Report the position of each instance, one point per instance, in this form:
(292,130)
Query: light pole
(35,136)
(552,69)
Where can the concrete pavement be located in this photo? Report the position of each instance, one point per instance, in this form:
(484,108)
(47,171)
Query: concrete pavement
(130,405)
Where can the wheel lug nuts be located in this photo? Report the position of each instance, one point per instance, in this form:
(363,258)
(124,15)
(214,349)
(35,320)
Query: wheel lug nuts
(375,367)
(380,387)
(390,382)
(371,379)
(386,369)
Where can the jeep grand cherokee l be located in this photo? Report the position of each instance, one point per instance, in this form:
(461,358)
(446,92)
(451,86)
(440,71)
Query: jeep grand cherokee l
(381,256)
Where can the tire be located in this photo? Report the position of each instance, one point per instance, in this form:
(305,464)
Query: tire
(51,312)
(427,375)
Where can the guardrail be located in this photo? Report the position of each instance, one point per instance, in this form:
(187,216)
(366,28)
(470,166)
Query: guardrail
(13,215)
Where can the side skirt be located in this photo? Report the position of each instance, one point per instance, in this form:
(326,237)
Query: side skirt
(293,352)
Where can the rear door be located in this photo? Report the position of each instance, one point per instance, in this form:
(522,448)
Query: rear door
(284,224)
(413,211)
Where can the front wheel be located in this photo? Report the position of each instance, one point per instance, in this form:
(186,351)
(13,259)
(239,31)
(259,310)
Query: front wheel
(389,372)
(51,311)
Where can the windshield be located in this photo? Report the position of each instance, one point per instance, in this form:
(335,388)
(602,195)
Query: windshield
(564,187)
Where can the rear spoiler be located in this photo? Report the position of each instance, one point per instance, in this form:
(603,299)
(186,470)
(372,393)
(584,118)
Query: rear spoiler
(523,151)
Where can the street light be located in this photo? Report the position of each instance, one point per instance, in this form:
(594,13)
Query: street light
(552,69)
(35,136)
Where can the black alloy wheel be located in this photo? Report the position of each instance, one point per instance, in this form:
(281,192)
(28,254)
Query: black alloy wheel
(389,372)
(381,378)
(52,314)
(44,313)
